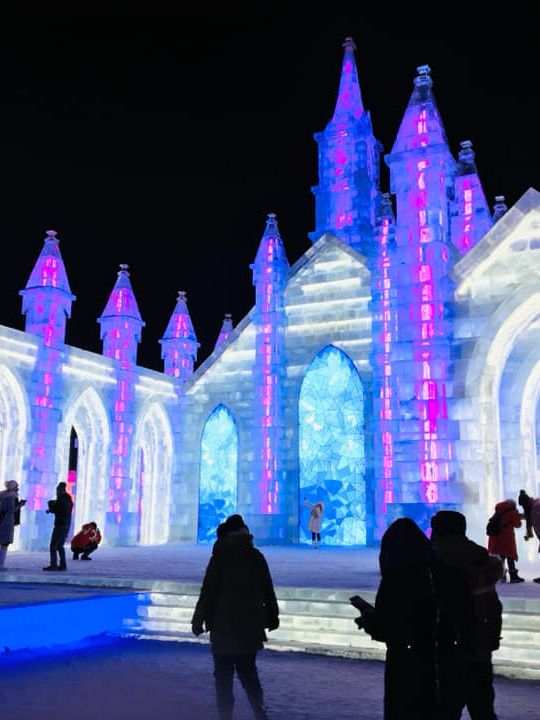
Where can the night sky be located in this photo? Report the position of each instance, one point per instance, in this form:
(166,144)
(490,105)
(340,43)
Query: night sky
(162,141)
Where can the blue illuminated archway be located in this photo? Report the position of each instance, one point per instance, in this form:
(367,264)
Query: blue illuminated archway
(332,448)
(218,472)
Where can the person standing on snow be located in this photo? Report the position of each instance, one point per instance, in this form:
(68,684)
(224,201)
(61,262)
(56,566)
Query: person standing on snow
(531,511)
(236,604)
(315,521)
(503,543)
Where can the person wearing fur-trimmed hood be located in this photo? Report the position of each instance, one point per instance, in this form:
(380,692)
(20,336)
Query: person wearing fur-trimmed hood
(10,505)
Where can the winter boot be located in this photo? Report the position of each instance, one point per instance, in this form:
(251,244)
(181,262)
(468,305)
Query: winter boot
(514,577)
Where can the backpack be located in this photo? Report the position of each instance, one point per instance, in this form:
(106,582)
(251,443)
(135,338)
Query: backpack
(494,525)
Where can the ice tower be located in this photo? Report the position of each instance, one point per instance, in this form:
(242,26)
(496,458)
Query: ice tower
(349,159)
(179,343)
(121,326)
(422,172)
(269,278)
(46,304)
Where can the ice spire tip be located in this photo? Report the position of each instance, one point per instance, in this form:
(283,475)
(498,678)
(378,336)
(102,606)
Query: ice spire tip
(349,44)
(182,295)
(424,76)
(52,235)
(123,267)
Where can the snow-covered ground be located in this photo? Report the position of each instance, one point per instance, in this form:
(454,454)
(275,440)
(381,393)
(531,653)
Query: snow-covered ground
(291,566)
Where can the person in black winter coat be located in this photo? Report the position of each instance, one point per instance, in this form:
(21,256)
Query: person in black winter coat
(417,613)
(481,631)
(236,604)
(61,508)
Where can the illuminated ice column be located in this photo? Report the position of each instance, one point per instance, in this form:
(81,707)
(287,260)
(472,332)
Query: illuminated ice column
(46,304)
(226,330)
(179,343)
(470,215)
(422,172)
(269,277)
(349,165)
(382,263)
(121,327)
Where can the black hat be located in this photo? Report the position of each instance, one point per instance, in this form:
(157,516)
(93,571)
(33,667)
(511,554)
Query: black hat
(232,524)
(448,522)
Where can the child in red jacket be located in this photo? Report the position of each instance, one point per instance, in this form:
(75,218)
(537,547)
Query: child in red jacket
(85,541)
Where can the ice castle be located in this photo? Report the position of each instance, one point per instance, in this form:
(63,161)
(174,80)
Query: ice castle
(394,369)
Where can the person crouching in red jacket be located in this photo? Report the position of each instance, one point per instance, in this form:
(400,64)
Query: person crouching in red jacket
(85,541)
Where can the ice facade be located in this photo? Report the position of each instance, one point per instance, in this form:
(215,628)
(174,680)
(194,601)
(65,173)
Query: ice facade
(393,369)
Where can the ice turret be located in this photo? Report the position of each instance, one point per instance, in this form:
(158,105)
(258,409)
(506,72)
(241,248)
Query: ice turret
(349,159)
(500,207)
(179,343)
(47,296)
(226,330)
(269,277)
(121,322)
(422,173)
(470,215)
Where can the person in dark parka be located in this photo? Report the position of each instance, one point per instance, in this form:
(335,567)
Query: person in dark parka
(61,508)
(236,604)
(481,631)
(417,613)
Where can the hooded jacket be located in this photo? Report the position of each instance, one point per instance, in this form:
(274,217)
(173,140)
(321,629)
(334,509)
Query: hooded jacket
(237,599)
(504,543)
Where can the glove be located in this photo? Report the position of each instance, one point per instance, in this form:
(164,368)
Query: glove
(197,629)
(273,624)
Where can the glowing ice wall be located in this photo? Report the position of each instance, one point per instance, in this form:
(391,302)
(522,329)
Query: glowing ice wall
(47,303)
(422,170)
(179,343)
(384,332)
(332,448)
(470,215)
(218,472)
(121,327)
(269,277)
(348,165)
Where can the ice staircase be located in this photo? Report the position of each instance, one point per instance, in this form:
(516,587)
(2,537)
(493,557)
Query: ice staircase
(322,621)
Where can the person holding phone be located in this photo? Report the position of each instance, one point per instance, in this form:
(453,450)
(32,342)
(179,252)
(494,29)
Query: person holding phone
(10,507)
(417,614)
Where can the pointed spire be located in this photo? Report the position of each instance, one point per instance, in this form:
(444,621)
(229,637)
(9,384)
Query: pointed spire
(271,251)
(500,207)
(179,343)
(421,124)
(121,321)
(49,270)
(47,297)
(470,217)
(226,330)
(349,101)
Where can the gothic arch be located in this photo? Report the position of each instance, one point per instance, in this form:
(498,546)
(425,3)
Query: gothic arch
(152,471)
(483,378)
(218,484)
(87,415)
(13,425)
(331,436)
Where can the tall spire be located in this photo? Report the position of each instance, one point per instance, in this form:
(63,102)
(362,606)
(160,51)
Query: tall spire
(346,195)
(421,124)
(470,215)
(349,101)
(179,343)
(121,322)
(226,330)
(47,296)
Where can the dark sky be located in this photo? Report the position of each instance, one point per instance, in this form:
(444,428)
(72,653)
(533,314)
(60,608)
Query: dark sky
(163,140)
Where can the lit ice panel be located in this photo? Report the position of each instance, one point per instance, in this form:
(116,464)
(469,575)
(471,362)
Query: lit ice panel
(332,448)
(219,468)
